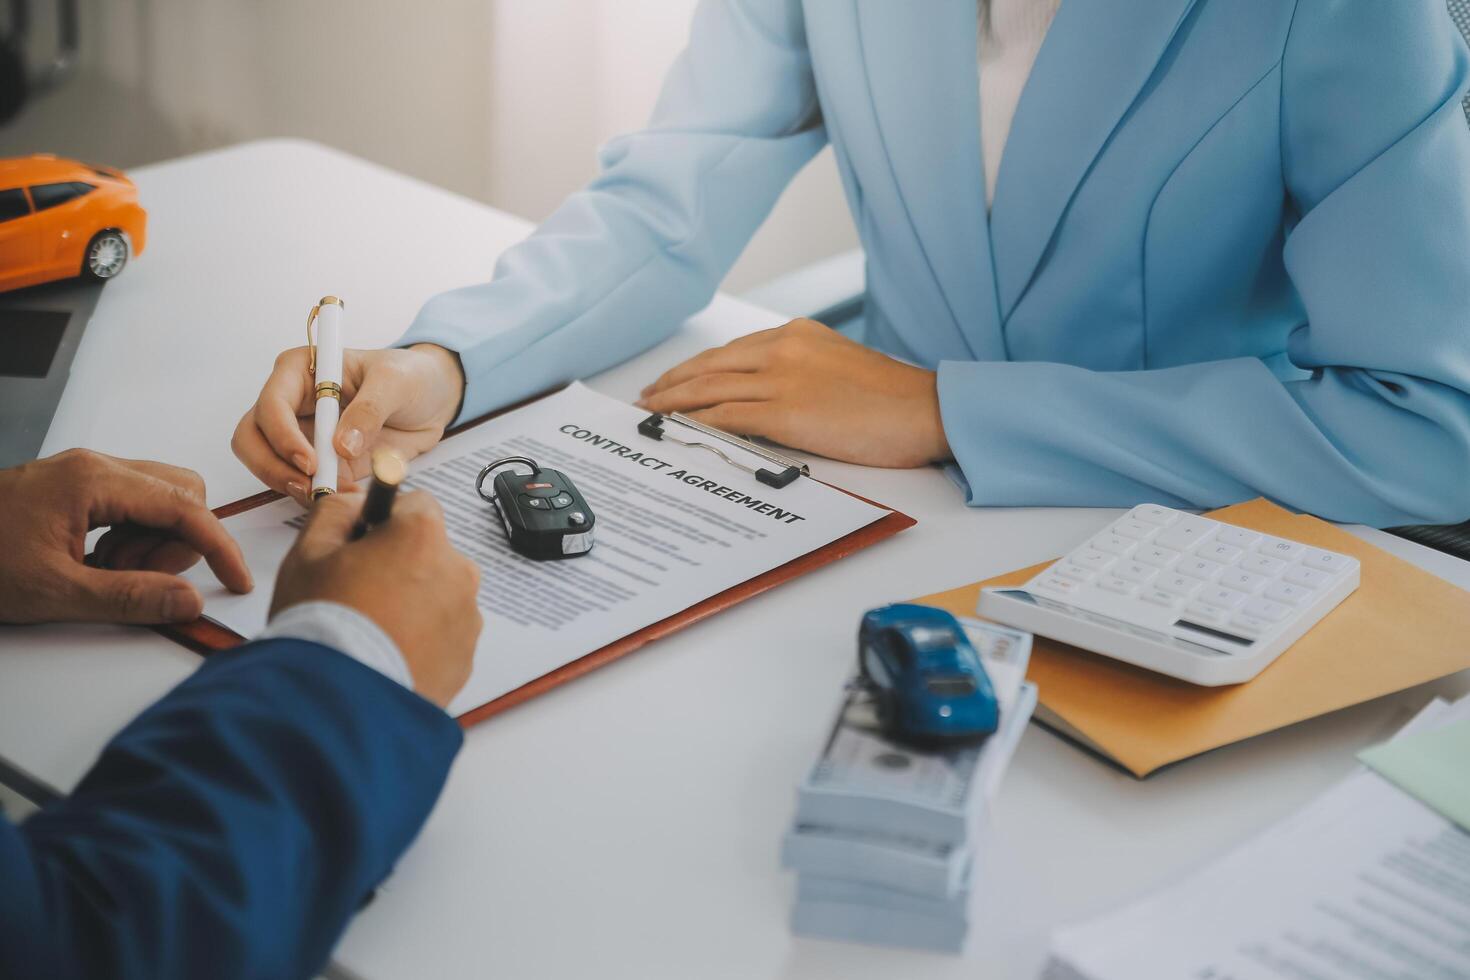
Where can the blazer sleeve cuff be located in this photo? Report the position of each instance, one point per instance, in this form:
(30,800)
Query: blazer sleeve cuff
(1019,440)
(342,628)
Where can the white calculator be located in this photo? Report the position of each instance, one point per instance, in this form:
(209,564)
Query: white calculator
(1186,596)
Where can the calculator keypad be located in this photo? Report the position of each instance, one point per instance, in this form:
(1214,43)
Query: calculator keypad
(1182,585)
(1154,514)
(1212,575)
(1130,528)
(1114,544)
(1152,554)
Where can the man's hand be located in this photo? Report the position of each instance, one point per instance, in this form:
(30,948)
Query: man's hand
(404,575)
(398,399)
(160,526)
(809,387)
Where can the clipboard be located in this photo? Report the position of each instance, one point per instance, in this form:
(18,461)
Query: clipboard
(656,427)
(204,636)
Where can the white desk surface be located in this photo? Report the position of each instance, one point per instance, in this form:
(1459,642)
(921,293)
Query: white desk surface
(625,825)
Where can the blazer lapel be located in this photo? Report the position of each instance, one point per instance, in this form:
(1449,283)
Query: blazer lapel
(920,60)
(1095,60)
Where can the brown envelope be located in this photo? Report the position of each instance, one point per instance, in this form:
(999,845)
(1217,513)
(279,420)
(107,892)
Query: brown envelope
(1402,627)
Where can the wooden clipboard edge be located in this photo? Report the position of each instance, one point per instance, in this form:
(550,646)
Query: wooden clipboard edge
(204,636)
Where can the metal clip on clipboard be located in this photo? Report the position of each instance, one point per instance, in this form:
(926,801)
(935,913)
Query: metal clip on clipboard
(653,427)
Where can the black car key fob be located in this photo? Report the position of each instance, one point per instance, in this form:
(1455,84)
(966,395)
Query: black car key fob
(544,514)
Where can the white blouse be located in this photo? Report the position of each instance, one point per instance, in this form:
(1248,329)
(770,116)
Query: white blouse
(1011,32)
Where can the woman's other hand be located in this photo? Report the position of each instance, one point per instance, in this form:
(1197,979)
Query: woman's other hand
(806,386)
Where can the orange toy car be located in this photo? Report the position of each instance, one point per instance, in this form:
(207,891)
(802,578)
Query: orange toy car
(60,219)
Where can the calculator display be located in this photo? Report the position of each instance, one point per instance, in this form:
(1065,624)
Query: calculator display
(1217,634)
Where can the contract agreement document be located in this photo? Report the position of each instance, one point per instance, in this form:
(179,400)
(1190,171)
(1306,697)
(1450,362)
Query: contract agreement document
(675,525)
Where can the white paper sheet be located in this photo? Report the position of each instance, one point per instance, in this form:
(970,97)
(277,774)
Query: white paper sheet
(1364,883)
(674,525)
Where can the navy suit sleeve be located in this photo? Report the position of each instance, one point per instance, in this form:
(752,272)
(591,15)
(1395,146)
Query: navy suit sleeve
(232,829)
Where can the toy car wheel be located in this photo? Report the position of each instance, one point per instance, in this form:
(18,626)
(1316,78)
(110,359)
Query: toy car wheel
(106,255)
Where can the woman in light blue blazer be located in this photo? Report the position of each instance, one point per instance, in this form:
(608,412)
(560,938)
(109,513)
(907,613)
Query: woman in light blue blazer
(1228,256)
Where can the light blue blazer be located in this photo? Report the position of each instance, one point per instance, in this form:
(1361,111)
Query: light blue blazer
(1228,256)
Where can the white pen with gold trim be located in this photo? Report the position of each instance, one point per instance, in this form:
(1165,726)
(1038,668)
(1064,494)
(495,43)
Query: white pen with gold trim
(326,367)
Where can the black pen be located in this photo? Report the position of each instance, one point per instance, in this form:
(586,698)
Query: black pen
(389,471)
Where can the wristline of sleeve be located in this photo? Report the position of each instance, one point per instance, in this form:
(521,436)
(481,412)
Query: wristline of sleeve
(493,377)
(491,383)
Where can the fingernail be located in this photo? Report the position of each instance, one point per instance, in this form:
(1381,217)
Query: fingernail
(352,443)
(641,403)
(303,463)
(181,605)
(296,490)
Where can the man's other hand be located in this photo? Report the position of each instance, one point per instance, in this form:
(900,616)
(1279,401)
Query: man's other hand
(159,527)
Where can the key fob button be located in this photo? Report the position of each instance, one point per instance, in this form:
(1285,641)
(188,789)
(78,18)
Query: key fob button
(561,500)
(535,503)
(577,517)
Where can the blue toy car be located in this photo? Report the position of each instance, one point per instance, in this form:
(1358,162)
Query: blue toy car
(927,681)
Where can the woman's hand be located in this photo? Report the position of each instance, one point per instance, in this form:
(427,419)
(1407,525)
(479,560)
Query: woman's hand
(399,399)
(159,527)
(809,387)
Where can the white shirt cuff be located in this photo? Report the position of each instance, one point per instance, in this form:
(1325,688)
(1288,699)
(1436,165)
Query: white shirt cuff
(344,629)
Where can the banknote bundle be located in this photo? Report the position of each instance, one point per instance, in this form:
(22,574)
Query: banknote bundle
(885,836)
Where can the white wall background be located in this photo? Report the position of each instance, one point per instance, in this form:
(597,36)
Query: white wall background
(504,101)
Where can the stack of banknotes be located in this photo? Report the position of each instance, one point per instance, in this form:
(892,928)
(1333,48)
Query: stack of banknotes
(885,836)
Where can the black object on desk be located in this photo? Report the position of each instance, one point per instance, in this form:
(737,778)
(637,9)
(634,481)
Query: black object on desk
(40,329)
(1452,539)
(544,514)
